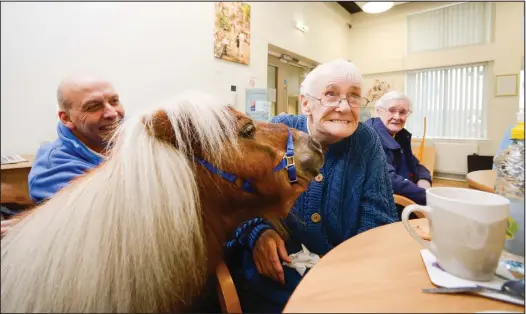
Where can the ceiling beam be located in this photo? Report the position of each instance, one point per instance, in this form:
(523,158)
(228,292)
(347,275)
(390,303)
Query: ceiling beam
(350,6)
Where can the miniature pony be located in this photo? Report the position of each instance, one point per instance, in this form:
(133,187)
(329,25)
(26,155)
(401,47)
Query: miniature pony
(141,232)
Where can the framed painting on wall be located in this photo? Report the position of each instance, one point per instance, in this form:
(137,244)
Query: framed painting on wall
(378,88)
(232,32)
(506,85)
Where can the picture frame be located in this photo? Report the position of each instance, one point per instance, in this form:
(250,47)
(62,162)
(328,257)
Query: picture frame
(506,85)
(232,32)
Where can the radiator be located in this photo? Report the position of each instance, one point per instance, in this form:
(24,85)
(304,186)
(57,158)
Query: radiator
(453,157)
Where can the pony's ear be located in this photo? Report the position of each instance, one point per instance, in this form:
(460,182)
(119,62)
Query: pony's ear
(162,128)
(183,137)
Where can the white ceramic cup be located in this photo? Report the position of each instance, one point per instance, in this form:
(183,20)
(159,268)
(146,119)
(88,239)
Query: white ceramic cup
(467,229)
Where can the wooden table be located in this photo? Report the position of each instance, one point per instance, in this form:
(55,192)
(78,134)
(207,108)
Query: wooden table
(15,188)
(380,270)
(483,180)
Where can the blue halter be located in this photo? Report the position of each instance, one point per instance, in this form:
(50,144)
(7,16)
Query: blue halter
(286,163)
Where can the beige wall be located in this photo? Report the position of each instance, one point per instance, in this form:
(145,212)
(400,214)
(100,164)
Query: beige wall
(378,49)
(148,50)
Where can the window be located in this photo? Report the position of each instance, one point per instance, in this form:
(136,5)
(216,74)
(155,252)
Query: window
(452,99)
(449,27)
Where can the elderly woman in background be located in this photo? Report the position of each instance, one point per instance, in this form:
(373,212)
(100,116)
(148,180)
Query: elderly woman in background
(351,195)
(408,177)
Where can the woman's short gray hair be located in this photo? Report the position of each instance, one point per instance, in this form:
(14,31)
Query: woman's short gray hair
(387,98)
(316,81)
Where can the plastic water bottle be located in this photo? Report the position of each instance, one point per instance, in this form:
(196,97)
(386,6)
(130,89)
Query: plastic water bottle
(510,184)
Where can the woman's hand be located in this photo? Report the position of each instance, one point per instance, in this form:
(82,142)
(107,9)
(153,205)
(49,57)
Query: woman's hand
(267,252)
(7,225)
(424,184)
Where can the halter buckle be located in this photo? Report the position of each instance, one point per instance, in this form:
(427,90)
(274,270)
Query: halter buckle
(289,161)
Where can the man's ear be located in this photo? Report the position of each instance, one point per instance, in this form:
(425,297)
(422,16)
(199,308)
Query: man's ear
(66,119)
(305,109)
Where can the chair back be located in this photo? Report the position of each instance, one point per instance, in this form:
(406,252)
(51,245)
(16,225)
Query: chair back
(226,290)
(404,201)
(420,154)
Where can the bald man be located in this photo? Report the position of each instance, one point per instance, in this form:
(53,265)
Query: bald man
(89,110)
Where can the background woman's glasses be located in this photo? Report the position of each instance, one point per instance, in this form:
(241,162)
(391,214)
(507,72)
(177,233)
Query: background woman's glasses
(402,113)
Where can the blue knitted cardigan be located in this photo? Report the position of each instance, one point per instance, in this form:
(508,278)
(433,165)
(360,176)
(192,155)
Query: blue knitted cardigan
(354,196)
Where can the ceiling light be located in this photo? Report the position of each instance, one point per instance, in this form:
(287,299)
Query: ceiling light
(377,7)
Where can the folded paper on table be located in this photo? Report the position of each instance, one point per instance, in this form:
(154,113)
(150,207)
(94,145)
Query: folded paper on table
(12,159)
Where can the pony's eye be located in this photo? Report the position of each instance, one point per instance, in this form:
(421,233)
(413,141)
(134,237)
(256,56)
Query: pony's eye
(248,131)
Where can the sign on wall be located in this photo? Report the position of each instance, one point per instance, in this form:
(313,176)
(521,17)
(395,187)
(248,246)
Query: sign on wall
(257,104)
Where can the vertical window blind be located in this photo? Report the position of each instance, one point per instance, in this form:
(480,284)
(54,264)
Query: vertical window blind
(452,99)
(449,27)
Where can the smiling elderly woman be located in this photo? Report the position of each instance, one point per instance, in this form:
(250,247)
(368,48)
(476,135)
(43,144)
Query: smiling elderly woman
(408,177)
(351,195)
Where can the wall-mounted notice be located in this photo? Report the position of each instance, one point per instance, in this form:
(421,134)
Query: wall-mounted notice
(257,104)
(272,94)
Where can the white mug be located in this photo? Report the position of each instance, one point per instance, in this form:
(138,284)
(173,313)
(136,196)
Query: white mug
(467,229)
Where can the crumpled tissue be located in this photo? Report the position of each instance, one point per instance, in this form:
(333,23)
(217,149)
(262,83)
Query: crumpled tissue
(302,260)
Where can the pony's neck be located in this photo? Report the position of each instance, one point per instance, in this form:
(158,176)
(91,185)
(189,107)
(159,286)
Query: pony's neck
(216,219)
(222,213)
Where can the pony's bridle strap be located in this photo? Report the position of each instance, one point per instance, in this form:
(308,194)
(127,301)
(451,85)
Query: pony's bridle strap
(288,160)
(286,163)
(232,178)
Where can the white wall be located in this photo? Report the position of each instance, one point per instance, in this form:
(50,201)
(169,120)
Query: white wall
(150,51)
(379,52)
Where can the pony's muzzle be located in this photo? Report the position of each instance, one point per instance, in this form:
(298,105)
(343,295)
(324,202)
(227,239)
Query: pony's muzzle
(314,144)
(309,155)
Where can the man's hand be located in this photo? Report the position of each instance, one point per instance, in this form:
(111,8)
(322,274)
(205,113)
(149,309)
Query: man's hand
(423,184)
(7,225)
(267,252)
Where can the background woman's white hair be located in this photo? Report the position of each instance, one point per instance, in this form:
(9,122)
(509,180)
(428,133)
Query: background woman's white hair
(316,81)
(387,99)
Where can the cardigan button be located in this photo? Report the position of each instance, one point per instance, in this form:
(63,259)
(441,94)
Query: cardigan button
(315,218)
(319,178)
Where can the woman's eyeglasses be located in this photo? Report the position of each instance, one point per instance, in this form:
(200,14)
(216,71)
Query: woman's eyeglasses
(401,112)
(335,101)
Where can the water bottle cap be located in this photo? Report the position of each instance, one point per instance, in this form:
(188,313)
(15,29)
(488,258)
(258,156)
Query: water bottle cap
(517,133)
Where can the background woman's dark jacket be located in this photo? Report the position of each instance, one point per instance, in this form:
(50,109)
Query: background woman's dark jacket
(404,168)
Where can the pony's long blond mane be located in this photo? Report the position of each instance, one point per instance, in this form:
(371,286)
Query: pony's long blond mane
(128,237)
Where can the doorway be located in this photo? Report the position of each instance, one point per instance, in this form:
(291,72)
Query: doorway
(272,82)
(287,70)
